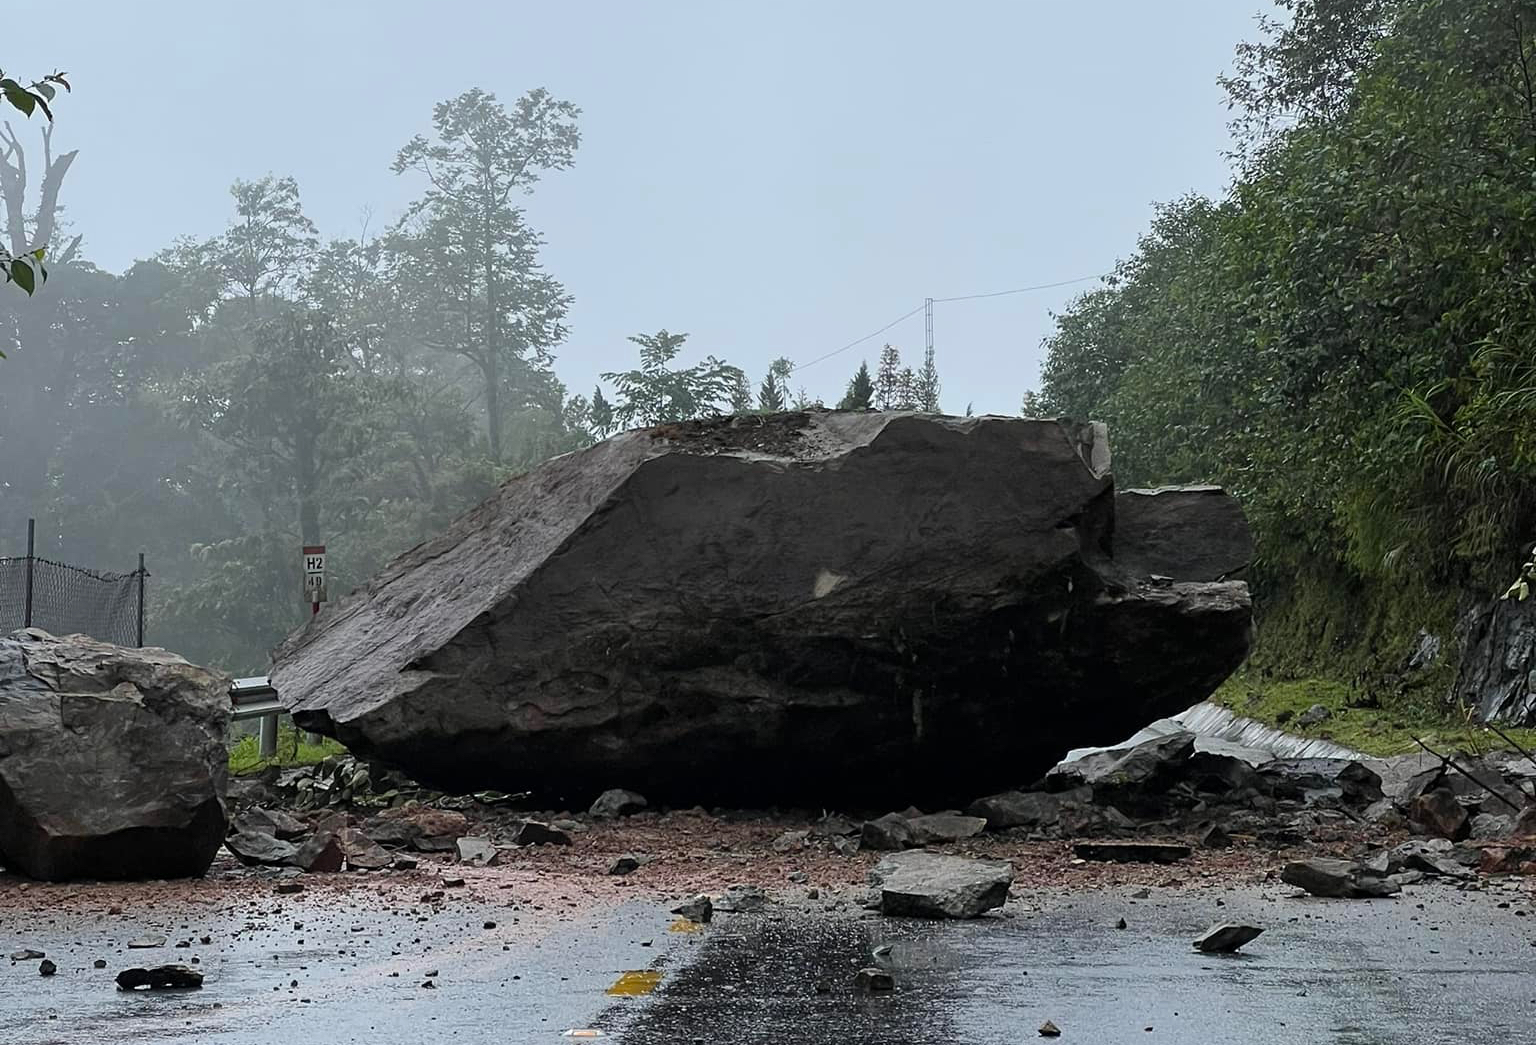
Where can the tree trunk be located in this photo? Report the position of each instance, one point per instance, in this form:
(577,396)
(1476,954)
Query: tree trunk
(492,374)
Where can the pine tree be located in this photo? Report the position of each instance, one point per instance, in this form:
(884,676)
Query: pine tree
(770,397)
(928,386)
(861,390)
(888,379)
(601,413)
(906,390)
(741,396)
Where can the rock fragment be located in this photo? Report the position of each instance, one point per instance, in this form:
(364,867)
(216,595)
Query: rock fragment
(920,884)
(1439,813)
(889,833)
(160,977)
(1227,938)
(874,979)
(700,909)
(1337,879)
(259,849)
(535,832)
(626,864)
(617,802)
(477,852)
(940,828)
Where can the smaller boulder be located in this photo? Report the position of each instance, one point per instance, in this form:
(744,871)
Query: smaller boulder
(1316,715)
(160,978)
(790,841)
(700,909)
(920,884)
(1031,809)
(1227,938)
(420,827)
(890,833)
(626,864)
(874,979)
(742,899)
(1338,879)
(321,854)
(360,852)
(534,832)
(259,849)
(617,802)
(477,852)
(1438,813)
(939,828)
(1491,826)
(274,822)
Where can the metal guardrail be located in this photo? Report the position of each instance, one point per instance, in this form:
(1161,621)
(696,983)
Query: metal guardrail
(255,698)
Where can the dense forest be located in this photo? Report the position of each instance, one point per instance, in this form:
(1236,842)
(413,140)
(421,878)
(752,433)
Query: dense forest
(234,398)
(1344,339)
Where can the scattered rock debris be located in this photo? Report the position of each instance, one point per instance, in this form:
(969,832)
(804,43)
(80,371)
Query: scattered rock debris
(1227,938)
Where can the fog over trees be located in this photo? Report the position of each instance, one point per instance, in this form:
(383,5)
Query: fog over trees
(235,397)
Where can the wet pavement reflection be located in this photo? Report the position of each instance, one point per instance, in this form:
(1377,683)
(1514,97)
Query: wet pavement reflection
(1458,968)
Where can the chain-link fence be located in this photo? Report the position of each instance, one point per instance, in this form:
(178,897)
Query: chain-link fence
(70,600)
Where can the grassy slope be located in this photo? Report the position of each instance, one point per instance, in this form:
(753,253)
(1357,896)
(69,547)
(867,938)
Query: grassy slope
(292,750)
(1377,731)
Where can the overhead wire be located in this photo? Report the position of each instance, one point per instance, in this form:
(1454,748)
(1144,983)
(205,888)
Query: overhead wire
(959,297)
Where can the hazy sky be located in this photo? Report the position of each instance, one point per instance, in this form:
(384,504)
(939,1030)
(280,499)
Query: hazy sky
(772,178)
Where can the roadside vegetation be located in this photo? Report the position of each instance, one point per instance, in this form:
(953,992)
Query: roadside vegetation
(292,750)
(1343,340)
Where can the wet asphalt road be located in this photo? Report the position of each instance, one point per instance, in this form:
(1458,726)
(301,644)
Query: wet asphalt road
(1352,972)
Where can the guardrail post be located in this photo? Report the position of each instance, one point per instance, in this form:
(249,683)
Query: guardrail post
(268,748)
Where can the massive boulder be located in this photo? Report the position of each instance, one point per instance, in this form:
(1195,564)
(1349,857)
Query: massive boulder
(811,606)
(112,760)
(1192,533)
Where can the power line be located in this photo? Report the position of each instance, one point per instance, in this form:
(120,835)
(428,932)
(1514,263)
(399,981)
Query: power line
(860,341)
(928,304)
(1019,290)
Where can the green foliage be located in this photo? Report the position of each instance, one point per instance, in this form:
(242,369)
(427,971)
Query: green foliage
(770,396)
(293,749)
(1342,340)
(33,97)
(658,394)
(23,264)
(861,390)
(926,387)
(468,272)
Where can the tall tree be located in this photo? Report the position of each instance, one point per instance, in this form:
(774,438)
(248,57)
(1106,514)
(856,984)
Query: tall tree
(861,390)
(601,413)
(888,379)
(741,396)
(657,394)
(926,392)
(270,243)
(478,288)
(770,395)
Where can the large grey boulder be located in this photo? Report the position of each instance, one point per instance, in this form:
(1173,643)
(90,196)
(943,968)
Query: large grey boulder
(113,761)
(1192,533)
(919,884)
(811,606)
